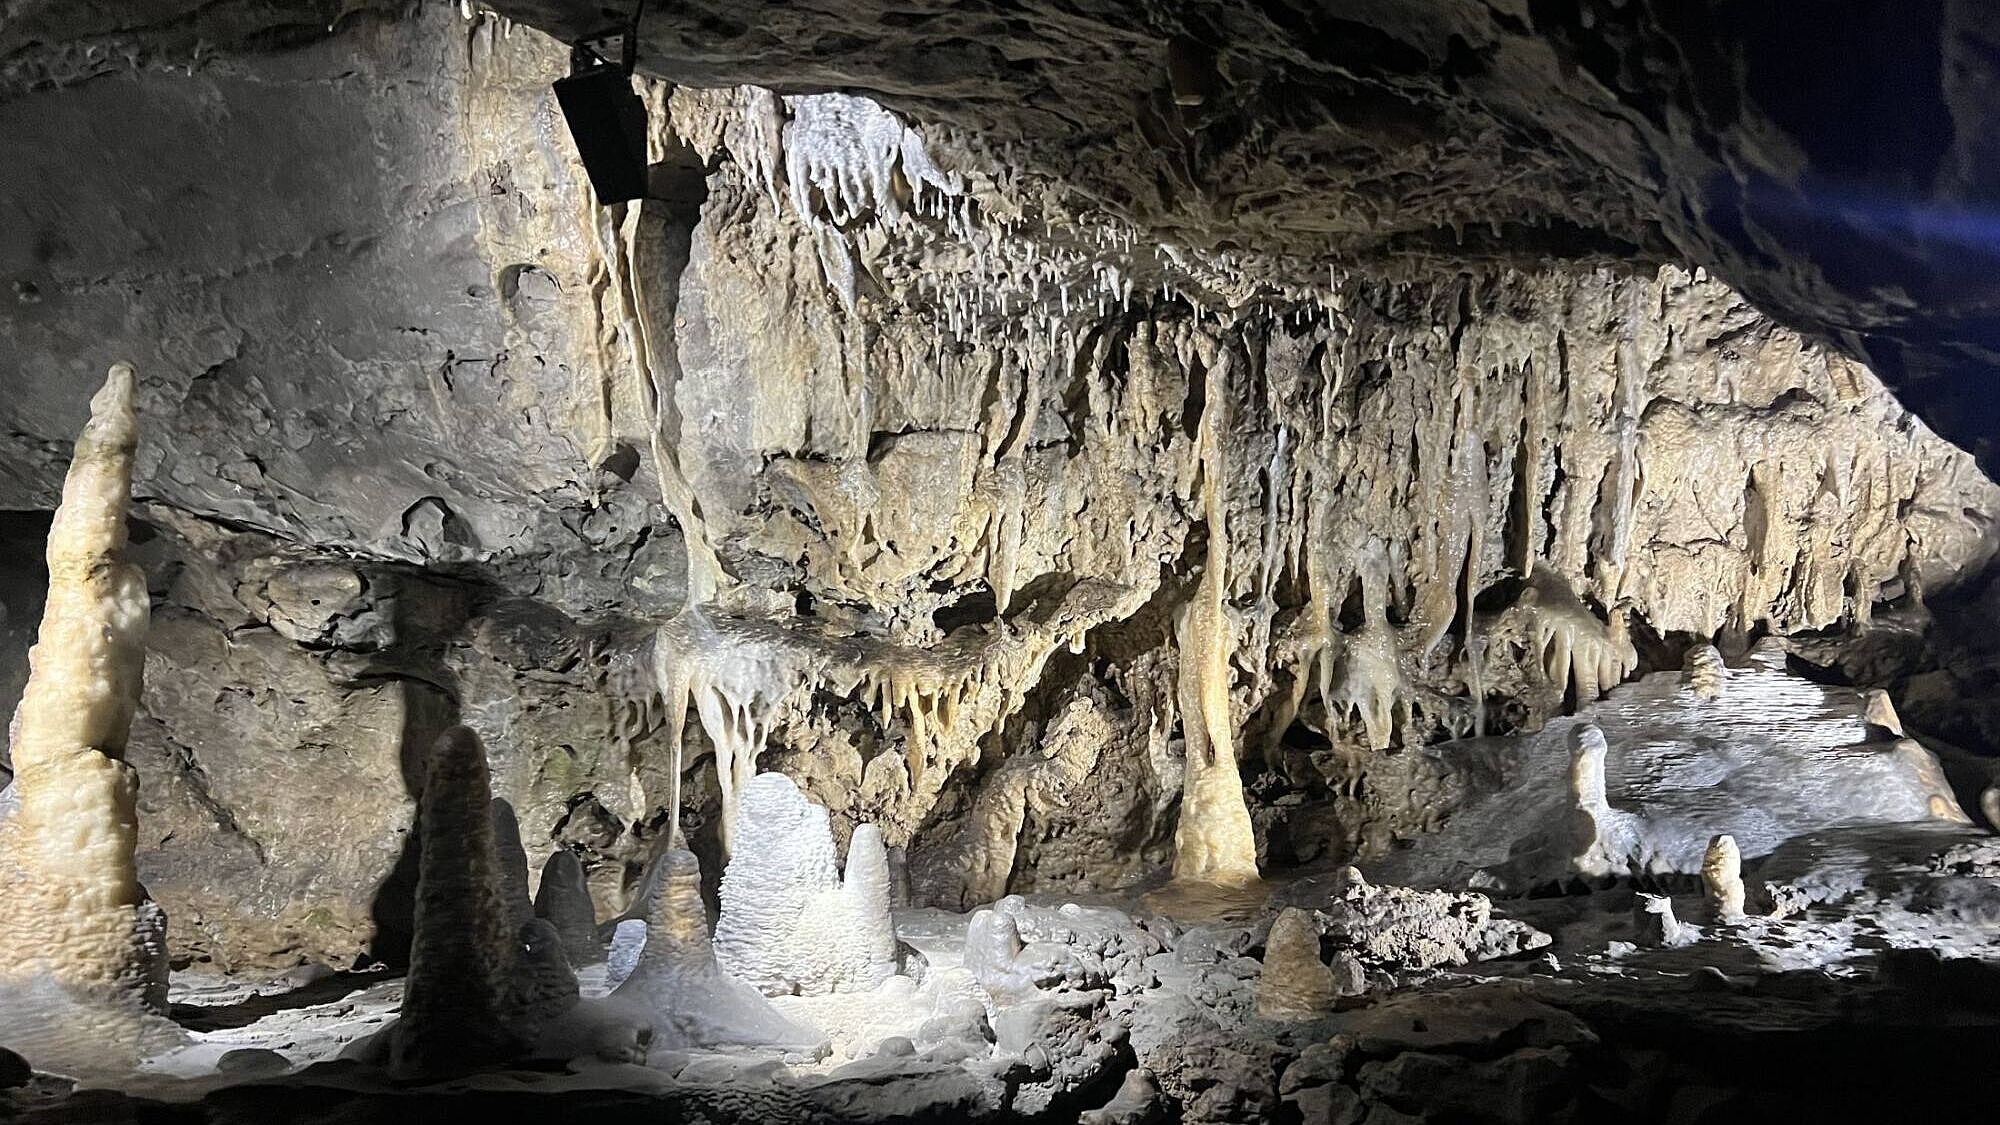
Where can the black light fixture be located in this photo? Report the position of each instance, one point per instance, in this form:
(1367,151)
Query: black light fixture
(606,119)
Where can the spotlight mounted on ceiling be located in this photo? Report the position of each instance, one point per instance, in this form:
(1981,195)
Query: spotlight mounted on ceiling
(607,121)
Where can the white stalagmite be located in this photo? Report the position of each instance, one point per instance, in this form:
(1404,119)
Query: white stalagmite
(788,924)
(1604,839)
(1213,841)
(1722,876)
(74,922)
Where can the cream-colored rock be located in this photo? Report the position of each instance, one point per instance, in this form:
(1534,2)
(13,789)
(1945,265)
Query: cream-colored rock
(1722,878)
(1880,715)
(1214,841)
(1704,671)
(1296,983)
(82,952)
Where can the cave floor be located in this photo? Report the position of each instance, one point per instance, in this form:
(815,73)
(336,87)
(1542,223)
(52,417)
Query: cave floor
(1837,1011)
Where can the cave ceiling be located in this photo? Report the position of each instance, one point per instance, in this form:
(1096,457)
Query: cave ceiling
(1840,174)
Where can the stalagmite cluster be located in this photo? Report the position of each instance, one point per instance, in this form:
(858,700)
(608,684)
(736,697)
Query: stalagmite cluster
(790,922)
(677,988)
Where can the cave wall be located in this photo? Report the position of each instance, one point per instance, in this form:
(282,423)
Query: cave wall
(928,445)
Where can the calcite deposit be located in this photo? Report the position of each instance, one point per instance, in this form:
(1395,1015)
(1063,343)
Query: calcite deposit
(1210,562)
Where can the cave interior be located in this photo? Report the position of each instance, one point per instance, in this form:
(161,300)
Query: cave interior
(1055,560)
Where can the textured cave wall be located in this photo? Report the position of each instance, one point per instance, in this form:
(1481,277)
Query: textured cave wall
(402,388)
(335,265)
(1836,166)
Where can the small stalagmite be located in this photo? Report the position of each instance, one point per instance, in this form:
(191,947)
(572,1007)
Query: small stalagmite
(75,925)
(563,900)
(1296,984)
(1722,876)
(677,987)
(1880,715)
(459,998)
(1704,671)
(1602,839)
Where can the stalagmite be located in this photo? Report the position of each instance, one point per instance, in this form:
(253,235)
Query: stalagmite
(864,891)
(458,1004)
(1296,983)
(1213,841)
(1704,671)
(510,864)
(788,924)
(1722,878)
(563,900)
(1880,715)
(676,986)
(1603,839)
(76,928)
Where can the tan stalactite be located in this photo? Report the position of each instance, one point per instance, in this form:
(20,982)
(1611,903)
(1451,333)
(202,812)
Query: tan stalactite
(72,909)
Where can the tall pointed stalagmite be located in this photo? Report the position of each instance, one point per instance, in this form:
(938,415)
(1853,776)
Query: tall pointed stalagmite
(74,922)
(563,900)
(458,1004)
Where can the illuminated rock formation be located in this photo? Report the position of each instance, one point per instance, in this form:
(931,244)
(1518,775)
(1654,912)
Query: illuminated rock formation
(82,949)
(789,923)
(1722,878)
(676,986)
